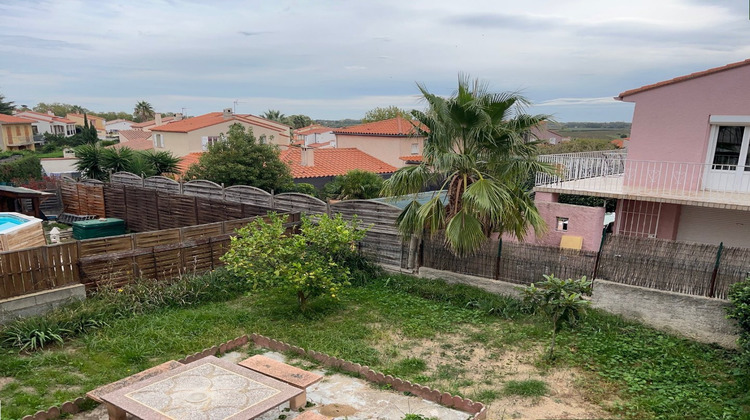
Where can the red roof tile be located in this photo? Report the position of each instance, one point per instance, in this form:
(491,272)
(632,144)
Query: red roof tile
(127,136)
(312,129)
(332,162)
(149,123)
(212,118)
(319,145)
(412,158)
(187,161)
(393,127)
(10,119)
(684,78)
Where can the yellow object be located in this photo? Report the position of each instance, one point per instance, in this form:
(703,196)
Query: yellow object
(571,242)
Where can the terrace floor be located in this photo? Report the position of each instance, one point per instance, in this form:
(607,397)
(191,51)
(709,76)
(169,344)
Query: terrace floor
(613,187)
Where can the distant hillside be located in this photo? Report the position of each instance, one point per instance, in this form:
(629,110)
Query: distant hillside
(594,130)
(338,123)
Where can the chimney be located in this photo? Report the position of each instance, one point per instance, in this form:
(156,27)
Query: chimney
(177,117)
(228,113)
(51,113)
(157,119)
(308,159)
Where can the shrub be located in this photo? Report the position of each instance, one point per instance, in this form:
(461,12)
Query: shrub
(560,300)
(309,264)
(739,296)
(26,167)
(355,184)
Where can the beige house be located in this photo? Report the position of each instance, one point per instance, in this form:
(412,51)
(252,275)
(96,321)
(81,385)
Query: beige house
(99,123)
(392,141)
(157,121)
(195,134)
(15,133)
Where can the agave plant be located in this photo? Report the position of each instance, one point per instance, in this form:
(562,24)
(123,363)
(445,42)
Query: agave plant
(476,151)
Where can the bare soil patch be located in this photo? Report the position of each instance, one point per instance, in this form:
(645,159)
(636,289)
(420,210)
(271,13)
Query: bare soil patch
(459,364)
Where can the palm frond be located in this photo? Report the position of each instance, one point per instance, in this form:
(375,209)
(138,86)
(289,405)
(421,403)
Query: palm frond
(464,234)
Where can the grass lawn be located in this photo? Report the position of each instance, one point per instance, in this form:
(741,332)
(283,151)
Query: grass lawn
(454,338)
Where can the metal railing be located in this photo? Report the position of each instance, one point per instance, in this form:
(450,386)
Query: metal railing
(612,172)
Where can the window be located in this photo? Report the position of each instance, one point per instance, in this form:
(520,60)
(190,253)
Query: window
(262,139)
(159,140)
(415,148)
(562,224)
(213,140)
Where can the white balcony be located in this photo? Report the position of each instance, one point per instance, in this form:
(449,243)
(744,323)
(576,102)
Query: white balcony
(611,174)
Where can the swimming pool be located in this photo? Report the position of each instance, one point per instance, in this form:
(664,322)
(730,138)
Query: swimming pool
(8,221)
(18,231)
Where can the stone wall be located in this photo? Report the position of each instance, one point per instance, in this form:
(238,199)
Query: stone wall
(40,302)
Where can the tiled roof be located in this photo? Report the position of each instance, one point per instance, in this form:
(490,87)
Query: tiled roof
(412,158)
(140,144)
(187,161)
(212,118)
(119,121)
(332,162)
(127,136)
(149,123)
(38,116)
(393,127)
(88,117)
(10,119)
(684,78)
(319,145)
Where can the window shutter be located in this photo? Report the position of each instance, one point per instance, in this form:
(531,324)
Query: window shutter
(204,143)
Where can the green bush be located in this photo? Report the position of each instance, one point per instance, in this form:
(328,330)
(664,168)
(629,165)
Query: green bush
(560,300)
(309,264)
(26,168)
(739,296)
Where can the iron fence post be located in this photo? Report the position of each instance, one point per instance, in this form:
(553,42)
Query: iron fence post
(712,286)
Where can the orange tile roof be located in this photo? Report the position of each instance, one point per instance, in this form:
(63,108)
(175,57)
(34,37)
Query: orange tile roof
(88,117)
(187,161)
(212,118)
(412,158)
(684,78)
(393,127)
(319,145)
(312,129)
(10,119)
(332,162)
(127,136)
(149,123)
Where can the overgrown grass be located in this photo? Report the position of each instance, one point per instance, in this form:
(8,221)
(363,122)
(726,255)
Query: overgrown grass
(526,388)
(651,374)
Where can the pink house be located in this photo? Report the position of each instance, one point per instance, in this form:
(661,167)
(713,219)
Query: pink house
(686,172)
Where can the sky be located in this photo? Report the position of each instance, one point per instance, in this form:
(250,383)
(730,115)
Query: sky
(335,59)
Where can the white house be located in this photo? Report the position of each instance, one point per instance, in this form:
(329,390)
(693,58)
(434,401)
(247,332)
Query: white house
(115,126)
(48,123)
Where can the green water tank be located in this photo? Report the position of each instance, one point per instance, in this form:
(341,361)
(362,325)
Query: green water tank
(98,228)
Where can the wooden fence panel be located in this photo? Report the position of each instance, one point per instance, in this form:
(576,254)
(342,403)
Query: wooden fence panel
(91,199)
(156,238)
(203,188)
(202,231)
(142,209)
(297,202)
(163,184)
(69,194)
(177,210)
(114,202)
(109,244)
(36,269)
(380,215)
(248,195)
(210,211)
(126,178)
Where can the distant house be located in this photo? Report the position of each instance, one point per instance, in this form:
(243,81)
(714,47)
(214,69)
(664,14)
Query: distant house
(16,133)
(157,121)
(542,133)
(195,134)
(48,123)
(686,173)
(315,134)
(393,141)
(115,126)
(99,122)
(135,139)
(318,166)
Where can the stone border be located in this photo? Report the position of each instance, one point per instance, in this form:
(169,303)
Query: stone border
(477,409)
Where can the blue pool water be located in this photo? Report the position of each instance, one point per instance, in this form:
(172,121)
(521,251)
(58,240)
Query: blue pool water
(7,222)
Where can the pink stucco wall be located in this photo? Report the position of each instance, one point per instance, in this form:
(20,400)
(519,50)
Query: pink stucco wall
(671,123)
(583,221)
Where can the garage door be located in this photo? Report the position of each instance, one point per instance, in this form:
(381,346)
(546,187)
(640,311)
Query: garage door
(711,226)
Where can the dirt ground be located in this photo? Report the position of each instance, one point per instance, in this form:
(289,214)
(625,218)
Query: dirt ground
(479,372)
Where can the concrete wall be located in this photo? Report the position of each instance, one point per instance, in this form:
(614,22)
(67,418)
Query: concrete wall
(386,148)
(583,221)
(671,123)
(39,303)
(699,318)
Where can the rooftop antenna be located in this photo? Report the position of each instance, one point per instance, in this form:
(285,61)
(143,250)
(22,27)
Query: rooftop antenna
(183,110)
(237,101)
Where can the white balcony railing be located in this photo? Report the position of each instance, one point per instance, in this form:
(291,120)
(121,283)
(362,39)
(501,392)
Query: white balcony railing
(611,173)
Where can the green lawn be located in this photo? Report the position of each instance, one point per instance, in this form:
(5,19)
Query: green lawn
(420,330)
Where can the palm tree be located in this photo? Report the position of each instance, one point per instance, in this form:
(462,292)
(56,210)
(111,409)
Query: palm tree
(163,161)
(143,111)
(90,161)
(117,160)
(6,107)
(274,115)
(475,151)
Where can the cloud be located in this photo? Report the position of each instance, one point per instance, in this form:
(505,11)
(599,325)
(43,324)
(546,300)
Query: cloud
(23,41)
(605,100)
(504,21)
(250,33)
